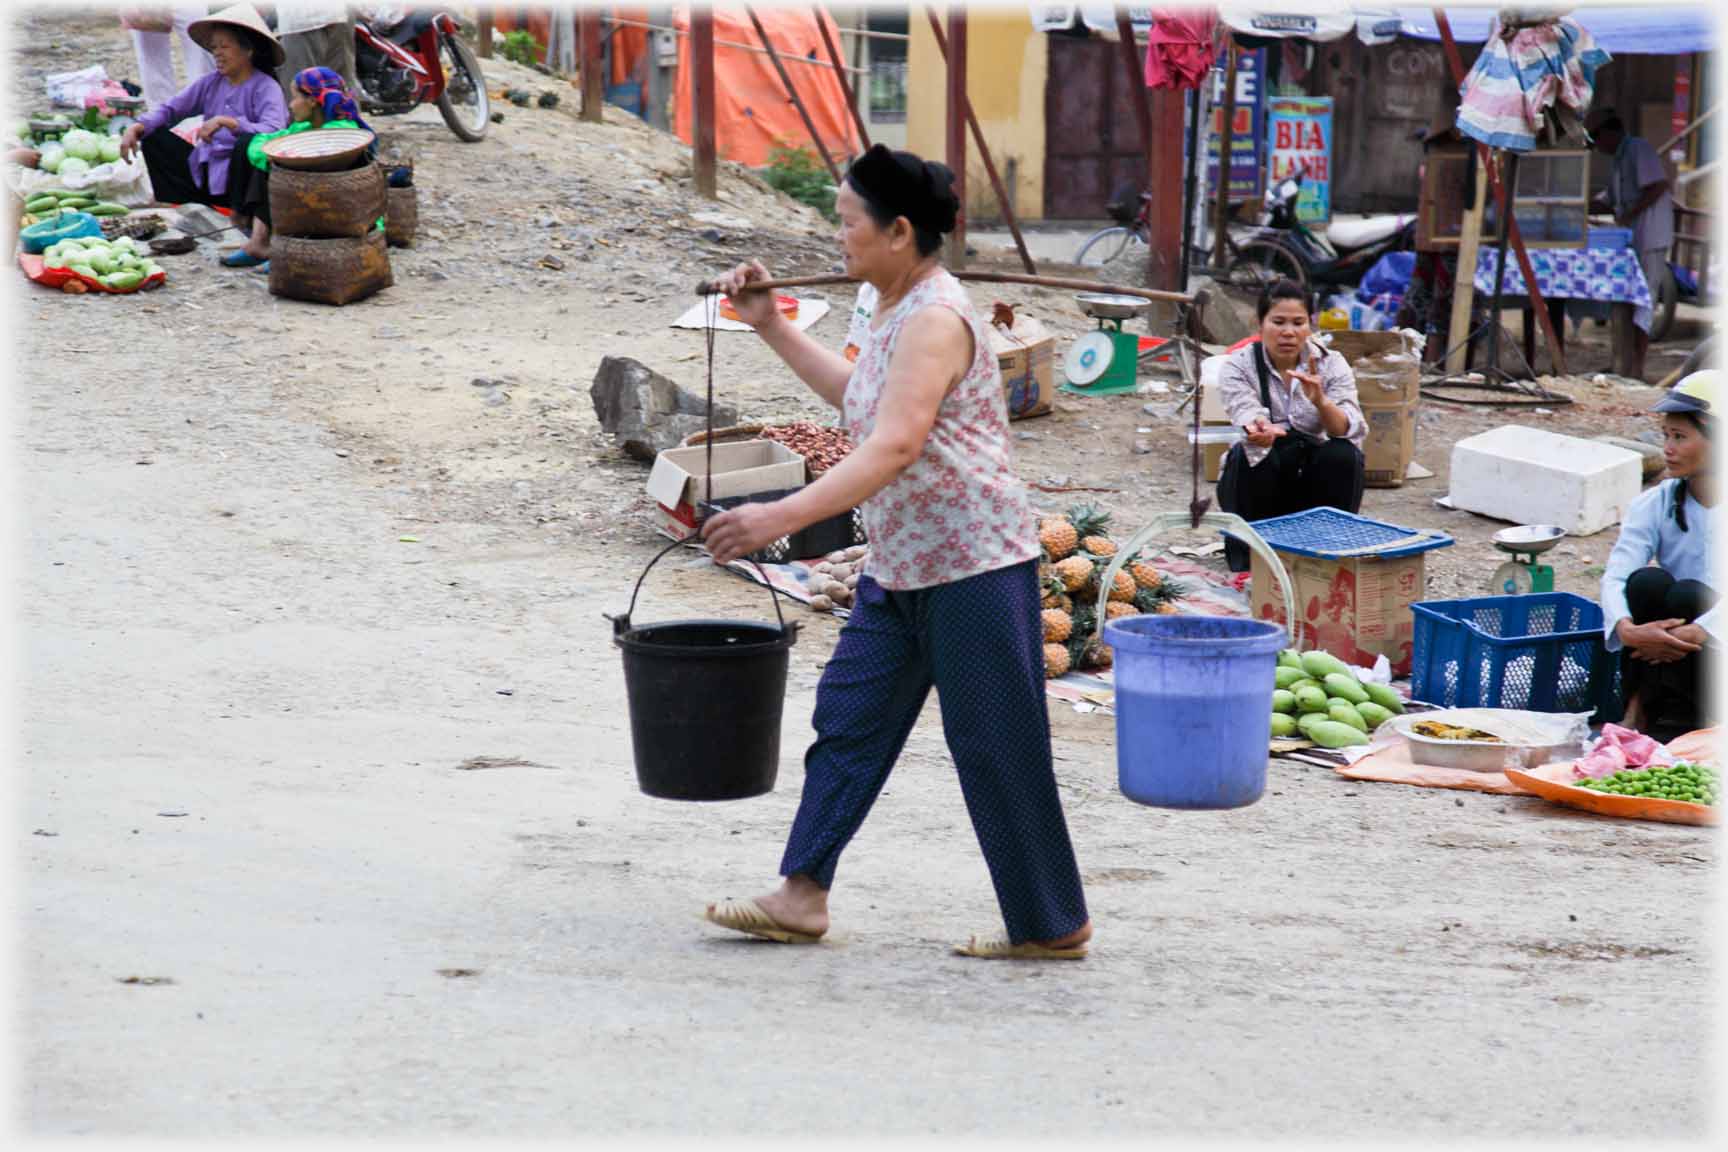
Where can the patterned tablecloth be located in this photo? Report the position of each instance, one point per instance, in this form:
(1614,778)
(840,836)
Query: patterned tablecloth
(1605,274)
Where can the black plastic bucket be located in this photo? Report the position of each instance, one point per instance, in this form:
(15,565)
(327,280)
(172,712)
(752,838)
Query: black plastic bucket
(705,703)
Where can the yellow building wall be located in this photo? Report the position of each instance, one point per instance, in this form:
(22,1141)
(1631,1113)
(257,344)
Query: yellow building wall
(1007,64)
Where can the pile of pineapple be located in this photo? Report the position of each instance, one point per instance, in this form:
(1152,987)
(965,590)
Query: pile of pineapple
(1077,549)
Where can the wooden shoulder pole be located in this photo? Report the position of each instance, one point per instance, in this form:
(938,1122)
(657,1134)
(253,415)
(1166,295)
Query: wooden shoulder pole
(956,139)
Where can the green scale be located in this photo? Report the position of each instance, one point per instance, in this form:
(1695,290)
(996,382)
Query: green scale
(1522,574)
(1105,361)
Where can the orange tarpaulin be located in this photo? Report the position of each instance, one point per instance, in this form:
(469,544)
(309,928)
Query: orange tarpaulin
(629,45)
(752,112)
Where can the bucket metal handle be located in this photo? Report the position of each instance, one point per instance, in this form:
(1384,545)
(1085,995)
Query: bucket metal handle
(621,624)
(1227,521)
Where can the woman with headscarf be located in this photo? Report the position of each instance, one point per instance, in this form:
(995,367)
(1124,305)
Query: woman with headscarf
(241,96)
(319,100)
(950,595)
(1658,591)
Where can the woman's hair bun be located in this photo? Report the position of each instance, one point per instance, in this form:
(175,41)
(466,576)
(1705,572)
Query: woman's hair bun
(939,178)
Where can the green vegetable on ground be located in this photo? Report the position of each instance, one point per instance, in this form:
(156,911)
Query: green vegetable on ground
(1310,700)
(1687,783)
(1373,714)
(1321,664)
(1283,701)
(1285,677)
(1385,698)
(1345,714)
(1283,725)
(1332,734)
(1345,686)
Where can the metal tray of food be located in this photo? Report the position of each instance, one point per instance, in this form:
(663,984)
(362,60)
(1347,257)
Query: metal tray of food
(1484,755)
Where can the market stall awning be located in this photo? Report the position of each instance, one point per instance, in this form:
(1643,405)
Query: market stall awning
(1653,31)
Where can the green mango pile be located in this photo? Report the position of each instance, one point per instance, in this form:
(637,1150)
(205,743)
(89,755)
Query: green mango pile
(1317,697)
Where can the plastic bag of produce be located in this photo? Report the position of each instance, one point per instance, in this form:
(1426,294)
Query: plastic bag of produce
(120,181)
(67,89)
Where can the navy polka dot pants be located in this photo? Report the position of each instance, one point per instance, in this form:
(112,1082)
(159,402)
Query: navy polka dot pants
(980,643)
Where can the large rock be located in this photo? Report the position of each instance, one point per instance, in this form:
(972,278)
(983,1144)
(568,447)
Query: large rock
(646,412)
(1229,314)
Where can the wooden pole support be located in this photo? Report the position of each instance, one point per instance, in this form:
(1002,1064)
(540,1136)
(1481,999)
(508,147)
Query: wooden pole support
(1221,216)
(792,91)
(1502,202)
(593,83)
(822,19)
(1464,282)
(702,93)
(1001,190)
(486,19)
(955,151)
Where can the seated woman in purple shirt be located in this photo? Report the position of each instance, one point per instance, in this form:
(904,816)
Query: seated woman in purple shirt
(240,97)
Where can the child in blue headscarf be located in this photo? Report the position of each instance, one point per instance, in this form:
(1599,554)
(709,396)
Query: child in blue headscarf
(319,99)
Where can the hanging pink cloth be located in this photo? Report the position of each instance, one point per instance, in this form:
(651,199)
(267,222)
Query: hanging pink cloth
(1179,50)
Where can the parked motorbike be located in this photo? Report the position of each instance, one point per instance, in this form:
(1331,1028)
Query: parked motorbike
(1287,247)
(419,58)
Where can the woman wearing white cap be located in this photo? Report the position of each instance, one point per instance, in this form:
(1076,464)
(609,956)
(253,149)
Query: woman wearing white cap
(1658,593)
(241,96)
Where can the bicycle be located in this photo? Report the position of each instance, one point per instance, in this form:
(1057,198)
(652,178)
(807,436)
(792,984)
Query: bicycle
(1122,246)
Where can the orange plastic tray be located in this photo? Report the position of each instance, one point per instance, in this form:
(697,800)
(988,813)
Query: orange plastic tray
(1550,783)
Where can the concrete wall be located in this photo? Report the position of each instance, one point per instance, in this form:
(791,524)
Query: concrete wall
(1007,64)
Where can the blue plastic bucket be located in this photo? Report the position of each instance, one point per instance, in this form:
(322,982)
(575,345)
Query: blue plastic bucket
(1193,708)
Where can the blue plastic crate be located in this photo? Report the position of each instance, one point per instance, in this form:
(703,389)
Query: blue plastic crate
(1542,653)
(1609,237)
(1332,534)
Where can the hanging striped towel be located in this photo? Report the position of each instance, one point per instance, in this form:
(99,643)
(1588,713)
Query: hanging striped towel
(1524,72)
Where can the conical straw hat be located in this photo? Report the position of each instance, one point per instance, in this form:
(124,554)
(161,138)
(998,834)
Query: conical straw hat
(240,16)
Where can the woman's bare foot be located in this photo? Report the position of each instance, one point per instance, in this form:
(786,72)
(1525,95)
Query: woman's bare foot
(1077,937)
(799,905)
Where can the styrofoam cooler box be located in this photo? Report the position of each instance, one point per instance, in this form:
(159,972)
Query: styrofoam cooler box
(1528,476)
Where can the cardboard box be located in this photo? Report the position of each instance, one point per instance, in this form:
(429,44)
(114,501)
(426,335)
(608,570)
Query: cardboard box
(1388,369)
(1390,445)
(1212,415)
(1026,353)
(741,468)
(1356,608)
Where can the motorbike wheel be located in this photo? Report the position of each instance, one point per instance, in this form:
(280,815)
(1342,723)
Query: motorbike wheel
(1107,246)
(465,105)
(1665,298)
(1259,263)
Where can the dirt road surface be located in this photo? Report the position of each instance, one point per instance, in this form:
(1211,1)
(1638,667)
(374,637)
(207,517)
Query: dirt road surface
(329,823)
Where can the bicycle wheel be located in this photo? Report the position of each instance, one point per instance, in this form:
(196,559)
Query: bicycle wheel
(1260,262)
(1107,246)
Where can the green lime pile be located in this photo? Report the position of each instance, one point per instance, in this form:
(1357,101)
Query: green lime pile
(1691,783)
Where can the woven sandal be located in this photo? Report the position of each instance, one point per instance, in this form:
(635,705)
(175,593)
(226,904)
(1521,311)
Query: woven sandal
(748,917)
(999,947)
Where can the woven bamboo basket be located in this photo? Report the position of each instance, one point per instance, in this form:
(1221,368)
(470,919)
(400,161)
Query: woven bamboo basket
(339,271)
(326,205)
(402,216)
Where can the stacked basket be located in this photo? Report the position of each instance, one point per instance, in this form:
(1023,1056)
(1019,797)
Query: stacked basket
(326,205)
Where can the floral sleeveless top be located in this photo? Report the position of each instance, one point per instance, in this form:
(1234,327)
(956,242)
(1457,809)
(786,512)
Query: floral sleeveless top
(959,510)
